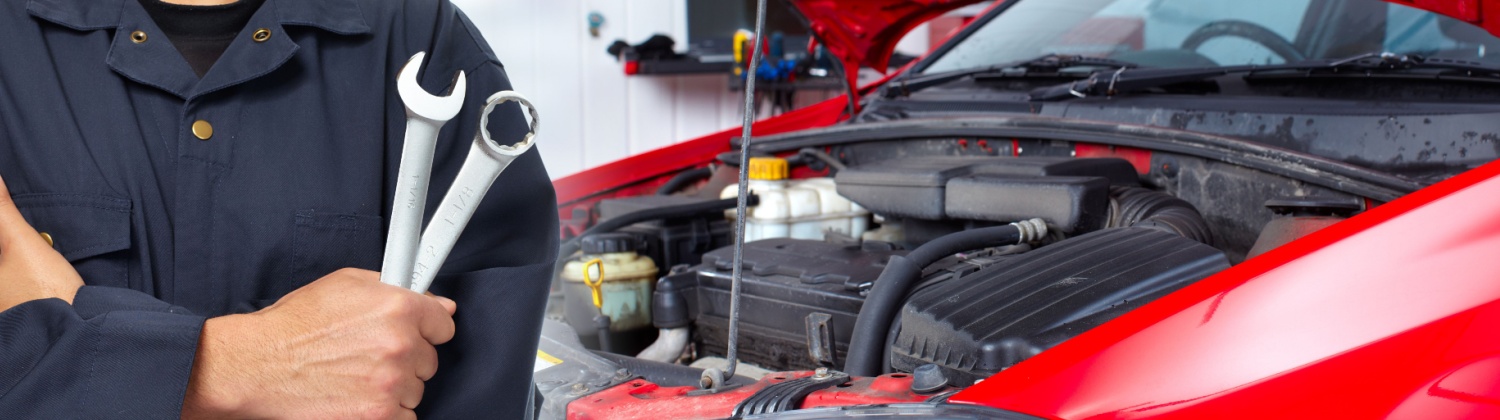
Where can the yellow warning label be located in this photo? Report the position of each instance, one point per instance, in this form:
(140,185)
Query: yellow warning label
(544,356)
(544,361)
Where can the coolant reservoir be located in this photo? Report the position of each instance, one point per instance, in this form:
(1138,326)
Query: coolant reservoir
(799,209)
(628,280)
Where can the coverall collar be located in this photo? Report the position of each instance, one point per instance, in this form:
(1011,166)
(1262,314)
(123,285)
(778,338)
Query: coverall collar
(149,58)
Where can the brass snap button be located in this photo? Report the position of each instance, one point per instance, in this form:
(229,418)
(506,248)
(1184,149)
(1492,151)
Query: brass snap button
(203,130)
(261,35)
(138,36)
(48,237)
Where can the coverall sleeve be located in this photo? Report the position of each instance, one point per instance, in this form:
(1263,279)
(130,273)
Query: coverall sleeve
(500,270)
(114,353)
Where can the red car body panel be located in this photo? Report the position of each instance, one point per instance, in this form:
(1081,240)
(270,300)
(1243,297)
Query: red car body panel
(1393,312)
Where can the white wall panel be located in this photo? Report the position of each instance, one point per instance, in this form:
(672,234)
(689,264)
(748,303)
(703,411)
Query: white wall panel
(652,99)
(698,105)
(604,114)
(559,58)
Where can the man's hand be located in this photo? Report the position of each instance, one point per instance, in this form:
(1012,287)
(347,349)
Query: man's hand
(344,346)
(29,268)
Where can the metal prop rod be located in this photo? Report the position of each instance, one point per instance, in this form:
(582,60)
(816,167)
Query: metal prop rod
(739,221)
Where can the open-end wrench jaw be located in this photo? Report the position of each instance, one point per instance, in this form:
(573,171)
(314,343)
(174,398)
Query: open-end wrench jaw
(419,103)
(425,116)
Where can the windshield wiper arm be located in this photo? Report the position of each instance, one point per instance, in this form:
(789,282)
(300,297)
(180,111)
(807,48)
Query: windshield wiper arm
(1113,83)
(1048,65)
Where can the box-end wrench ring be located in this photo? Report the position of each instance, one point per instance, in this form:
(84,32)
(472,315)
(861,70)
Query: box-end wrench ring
(487,159)
(425,116)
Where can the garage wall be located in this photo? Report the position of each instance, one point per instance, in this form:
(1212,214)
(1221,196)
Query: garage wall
(594,113)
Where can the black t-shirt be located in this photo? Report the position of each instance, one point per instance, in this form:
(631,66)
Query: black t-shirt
(201,33)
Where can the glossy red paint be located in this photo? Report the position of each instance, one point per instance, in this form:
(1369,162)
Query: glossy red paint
(865,32)
(642,400)
(1391,313)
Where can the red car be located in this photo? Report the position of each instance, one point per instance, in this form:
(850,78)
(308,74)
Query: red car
(1072,209)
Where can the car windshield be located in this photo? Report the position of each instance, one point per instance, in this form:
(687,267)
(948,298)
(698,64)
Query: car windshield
(1206,33)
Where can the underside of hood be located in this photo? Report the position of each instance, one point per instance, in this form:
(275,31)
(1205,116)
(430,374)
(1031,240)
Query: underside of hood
(865,32)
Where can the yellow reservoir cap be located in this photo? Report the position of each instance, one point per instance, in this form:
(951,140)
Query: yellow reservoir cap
(768,168)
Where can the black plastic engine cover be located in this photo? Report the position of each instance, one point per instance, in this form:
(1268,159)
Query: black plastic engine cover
(1071,194)
(979,323)
(798,306)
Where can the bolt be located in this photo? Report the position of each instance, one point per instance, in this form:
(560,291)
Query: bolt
(580,388)
(821,373)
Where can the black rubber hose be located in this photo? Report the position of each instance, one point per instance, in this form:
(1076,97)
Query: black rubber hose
(664,374)
(831,161)
(683,179)
(601,323)
(570,246)
(867,344)
(1140,207)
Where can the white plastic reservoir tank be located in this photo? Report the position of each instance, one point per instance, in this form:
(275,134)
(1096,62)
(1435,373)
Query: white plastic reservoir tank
(798,209)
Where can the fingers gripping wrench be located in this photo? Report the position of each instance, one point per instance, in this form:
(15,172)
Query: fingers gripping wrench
(487,159)
(425,116)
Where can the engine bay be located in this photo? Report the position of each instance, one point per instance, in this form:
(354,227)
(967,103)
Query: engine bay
(889,272)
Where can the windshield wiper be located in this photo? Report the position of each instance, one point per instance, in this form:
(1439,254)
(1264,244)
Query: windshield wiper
(1050,65)
(1119,81)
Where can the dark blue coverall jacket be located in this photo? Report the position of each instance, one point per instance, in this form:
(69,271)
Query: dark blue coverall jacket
(97,146)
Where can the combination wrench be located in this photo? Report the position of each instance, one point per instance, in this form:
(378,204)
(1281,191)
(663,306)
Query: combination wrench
(425,116)
(487,159)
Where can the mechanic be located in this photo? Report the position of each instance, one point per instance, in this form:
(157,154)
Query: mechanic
(187,183)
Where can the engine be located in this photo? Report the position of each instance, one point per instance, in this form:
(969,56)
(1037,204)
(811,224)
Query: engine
(1111,245)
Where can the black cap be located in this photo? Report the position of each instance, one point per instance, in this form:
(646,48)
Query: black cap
(606,243)
(927,379)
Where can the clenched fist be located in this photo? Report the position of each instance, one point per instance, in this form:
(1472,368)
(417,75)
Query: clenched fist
(344,346)
(29,268)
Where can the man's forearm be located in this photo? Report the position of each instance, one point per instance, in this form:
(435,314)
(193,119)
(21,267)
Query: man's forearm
(53,359)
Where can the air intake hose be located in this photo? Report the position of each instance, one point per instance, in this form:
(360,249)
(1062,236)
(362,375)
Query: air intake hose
(1140,207)
(868,344)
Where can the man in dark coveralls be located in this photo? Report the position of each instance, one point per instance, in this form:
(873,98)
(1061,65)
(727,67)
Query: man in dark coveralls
(187,183)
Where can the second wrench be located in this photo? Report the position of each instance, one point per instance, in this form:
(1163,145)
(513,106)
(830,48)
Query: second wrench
(487,159)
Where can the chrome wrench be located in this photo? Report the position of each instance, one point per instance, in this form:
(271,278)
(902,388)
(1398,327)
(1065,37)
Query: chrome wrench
(487,159)
(425,116)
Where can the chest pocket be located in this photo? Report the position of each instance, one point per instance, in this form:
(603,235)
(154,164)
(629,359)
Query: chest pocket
(91,231)
(326,242)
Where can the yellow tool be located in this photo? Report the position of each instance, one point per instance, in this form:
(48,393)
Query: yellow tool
(741,39)
(595,284)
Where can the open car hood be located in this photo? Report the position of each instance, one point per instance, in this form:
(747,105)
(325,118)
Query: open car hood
(865,32)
